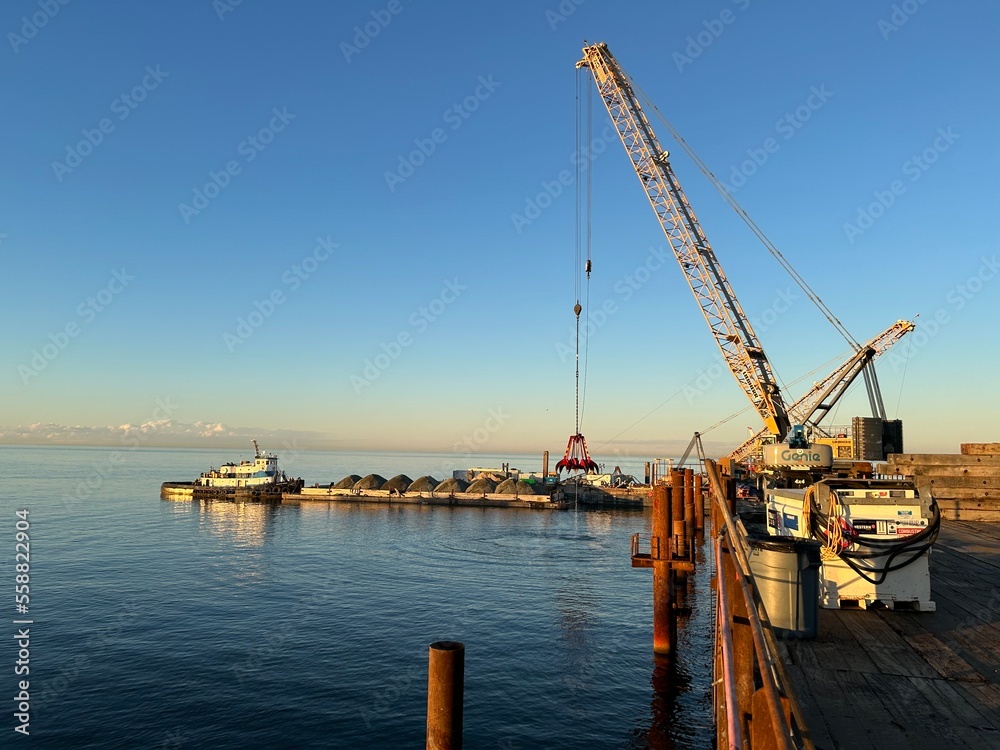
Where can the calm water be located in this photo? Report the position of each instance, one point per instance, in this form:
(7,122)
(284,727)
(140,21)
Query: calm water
(178,624)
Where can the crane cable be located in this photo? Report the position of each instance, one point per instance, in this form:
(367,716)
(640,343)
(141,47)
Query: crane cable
(902,381)
(587,217)
(721,422)
(741,212)
(869,372)
(583,127)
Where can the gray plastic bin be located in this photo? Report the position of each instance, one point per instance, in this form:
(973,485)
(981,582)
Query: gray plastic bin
(786,571)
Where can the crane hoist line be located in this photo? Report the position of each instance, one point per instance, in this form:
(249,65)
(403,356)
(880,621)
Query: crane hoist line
(577,456)
(729,325)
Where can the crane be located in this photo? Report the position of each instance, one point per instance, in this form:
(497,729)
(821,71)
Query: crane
(730,326)
(816,403)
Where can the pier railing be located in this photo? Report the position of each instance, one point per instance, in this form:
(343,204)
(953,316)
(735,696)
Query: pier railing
(755,706)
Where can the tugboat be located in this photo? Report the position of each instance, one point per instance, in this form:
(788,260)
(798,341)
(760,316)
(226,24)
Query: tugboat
(259,479)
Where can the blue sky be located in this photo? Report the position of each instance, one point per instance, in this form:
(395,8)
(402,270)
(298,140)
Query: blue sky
(235,209)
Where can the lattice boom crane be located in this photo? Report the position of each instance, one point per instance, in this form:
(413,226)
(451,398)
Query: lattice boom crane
(726,319)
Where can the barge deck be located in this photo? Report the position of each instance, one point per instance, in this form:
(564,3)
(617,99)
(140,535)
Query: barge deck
(464,499)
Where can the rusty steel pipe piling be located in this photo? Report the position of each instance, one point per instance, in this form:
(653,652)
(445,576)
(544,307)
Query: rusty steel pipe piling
(680,544)
(699,504)
(664,619)
(689,524)
(445,695)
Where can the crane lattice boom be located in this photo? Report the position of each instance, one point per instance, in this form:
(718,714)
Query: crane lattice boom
(818,400)
(726,319)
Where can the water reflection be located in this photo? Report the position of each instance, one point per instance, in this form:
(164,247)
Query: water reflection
(244,525)
(242,530)
(681,700)
(579,670)
(669,721)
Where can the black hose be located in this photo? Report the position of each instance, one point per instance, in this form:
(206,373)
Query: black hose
(925,539)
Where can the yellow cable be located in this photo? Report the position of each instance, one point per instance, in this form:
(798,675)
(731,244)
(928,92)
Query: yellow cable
(834,531)
(807,502)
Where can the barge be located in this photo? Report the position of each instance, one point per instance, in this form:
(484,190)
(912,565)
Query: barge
(431,497)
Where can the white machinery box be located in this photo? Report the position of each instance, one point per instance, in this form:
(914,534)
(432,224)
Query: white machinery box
(877,536)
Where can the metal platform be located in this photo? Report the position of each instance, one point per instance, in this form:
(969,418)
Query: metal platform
(645,559)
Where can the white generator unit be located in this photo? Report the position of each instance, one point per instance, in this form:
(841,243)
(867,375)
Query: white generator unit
(876,536)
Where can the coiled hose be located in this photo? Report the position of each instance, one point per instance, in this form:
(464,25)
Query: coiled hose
(831,529)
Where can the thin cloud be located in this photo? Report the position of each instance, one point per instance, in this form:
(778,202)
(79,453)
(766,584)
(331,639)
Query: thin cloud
(161,433)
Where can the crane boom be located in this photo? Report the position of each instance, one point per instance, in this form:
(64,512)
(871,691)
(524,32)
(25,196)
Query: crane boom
(694,444)
(816,403)
(726,319)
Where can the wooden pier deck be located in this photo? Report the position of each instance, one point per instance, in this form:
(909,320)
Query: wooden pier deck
(883,679)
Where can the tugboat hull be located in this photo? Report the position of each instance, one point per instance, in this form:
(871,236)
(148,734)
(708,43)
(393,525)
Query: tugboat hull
(253,493)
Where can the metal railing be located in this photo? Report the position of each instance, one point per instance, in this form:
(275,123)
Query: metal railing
(755,708)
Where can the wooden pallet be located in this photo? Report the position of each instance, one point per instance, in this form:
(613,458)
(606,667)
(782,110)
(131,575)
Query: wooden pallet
(909,606)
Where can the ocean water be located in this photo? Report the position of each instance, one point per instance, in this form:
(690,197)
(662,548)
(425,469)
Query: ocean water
(221,625)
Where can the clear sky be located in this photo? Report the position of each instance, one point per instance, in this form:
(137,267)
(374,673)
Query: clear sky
(317,217)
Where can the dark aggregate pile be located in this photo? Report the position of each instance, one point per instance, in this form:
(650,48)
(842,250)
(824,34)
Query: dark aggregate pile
(370,482)
(507,487)
(482,485)
(399,483)
(512,486)
(426,483)
(452,485)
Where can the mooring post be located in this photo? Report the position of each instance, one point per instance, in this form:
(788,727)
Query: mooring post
(664,623)
(445,695)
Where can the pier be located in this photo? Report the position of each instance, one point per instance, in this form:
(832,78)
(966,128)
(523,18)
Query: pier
(882,678)
(876,678)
